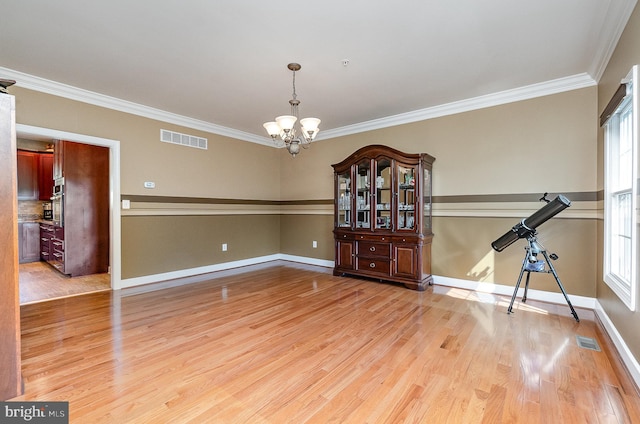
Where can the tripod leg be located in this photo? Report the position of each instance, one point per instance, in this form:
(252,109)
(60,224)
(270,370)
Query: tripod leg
(515,291)
(555,275)
(526,287)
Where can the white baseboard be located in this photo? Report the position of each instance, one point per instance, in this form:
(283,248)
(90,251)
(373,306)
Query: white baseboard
(192,272)
(623,350)
(195,274)
(544,296)
(308,261)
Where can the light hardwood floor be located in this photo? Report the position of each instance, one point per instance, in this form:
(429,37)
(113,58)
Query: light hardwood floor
(38,281)
(293,344)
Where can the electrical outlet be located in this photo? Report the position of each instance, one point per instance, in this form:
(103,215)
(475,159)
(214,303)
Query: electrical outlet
(315,244)
(224,247)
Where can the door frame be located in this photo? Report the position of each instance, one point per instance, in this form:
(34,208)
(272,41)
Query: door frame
(115,251)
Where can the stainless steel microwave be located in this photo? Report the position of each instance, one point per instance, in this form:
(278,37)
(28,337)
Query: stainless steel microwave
(57,202)
(58,187)
(57,207)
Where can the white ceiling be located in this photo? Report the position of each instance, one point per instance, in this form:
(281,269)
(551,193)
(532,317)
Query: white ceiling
(224,62)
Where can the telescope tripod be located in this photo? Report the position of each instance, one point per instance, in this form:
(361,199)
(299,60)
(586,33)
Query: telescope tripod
(530,264)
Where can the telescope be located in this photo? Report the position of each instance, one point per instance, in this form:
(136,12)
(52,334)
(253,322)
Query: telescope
(527,227)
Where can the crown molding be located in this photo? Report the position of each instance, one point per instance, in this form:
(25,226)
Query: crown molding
(74,93)
(503,97)
(615,21)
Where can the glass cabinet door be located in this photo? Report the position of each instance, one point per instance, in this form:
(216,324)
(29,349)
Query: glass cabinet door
(406,205)
(363,194)
(344,199)
(426,202)
(383,194)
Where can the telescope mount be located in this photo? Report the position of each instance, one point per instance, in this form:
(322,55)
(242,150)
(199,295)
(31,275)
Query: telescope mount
(532,264)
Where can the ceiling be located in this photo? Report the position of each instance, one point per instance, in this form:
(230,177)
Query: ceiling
(224,63)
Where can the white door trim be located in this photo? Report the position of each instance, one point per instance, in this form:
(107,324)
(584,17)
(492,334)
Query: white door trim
(31,132)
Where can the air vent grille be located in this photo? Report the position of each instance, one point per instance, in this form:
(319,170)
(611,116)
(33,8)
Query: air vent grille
(183,139)
(588,343)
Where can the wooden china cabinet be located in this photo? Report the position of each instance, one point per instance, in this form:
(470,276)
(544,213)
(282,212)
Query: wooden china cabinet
(383,219)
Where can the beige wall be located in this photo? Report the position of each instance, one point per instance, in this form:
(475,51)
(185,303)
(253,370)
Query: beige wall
(299,231)
(626,55)
(228,169)
(462,249)
(160,244)
(546,144)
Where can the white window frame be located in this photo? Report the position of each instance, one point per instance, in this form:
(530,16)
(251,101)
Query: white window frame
(624,283)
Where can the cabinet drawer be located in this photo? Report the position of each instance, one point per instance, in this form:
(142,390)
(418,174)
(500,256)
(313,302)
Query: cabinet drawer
(367,248)
(373,265)
(48,229)
(57,245)
(374,238)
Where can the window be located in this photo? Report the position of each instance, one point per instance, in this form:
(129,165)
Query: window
(620,218)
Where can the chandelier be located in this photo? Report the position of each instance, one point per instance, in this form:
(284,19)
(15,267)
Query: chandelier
(283,132)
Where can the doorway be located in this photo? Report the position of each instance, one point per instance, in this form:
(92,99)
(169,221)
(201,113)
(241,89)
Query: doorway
(40,271)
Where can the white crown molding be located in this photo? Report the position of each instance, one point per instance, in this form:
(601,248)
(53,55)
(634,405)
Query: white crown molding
(503,97)
(615,21)
(508,96)
(69,92)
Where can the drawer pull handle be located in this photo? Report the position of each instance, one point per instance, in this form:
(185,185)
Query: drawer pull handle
(372,265)
(372,248)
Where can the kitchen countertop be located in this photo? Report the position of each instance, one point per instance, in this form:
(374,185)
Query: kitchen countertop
(31,218)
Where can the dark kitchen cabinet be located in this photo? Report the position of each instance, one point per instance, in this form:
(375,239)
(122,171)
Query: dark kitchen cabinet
(383,222)
(52,245)
(45,176)
(47,232)
(28,242)
(81,245)
(27,175)
(35,175)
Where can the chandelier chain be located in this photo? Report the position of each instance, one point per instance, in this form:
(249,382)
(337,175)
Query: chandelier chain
(282,130)
(294,85)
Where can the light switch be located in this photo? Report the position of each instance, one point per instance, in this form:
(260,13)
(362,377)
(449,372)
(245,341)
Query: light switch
(126,204)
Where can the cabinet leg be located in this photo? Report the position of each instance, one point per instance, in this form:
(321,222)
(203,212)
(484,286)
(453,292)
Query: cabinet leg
(414,286)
